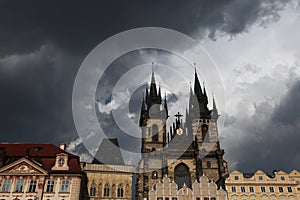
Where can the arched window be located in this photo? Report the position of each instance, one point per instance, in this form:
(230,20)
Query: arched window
(182,175)
(93,191)
(106,190)
(120,191)
(154,133)
(204,130)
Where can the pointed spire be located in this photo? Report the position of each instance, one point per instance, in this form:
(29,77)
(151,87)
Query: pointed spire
(153,90)
(215,113)
(197,86)
(166,106)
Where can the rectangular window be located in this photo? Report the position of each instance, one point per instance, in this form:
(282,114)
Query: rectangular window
(197,198)
(175,198)
(167,198)
(19,185)
(260,178)
(280,189)
(212,198)
(251,189)
(289,189)
(160,198)
(6,185)
(282,178)
(65,186)
(206,198)
(297,182)
(243,189)
(233,189)
(262,189)
(236,178)
(271,189)
(32,186)
(50,186)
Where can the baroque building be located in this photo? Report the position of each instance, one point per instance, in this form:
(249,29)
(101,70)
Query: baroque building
(183,152)
(261,186)
(38,171)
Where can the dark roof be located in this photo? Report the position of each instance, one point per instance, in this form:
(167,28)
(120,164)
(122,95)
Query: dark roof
(109,153)
(42,153)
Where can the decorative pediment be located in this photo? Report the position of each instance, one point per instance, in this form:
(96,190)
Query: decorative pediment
(22,166)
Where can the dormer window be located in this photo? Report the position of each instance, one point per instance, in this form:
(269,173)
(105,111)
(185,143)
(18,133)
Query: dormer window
(61,161)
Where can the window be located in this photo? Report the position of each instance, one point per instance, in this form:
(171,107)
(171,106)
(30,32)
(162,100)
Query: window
(233,189)
(182,175)
(106,190)
(282,178)
(280,189)
(120,191)
(297,182)
(65,186)
(206,198)
(263,189)
(289,189)
(154,133)
(175,198)
(271,189)
(236,178)
(6,185)
(154,175)
(61,161)
(208,164)
(160,198)
(93,191)
(197,198)
(260,178)
(243,189)
(19,185)
(251,189)
(212,198)
(32,186)
(50,186)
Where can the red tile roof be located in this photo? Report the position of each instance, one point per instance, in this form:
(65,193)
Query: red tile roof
(46,153)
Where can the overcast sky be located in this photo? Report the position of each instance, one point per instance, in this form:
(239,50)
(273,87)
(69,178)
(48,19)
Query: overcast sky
(254,44)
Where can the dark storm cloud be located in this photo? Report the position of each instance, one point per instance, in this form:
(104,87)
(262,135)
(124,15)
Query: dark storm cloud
(81,25)
(35,92)
(271,136)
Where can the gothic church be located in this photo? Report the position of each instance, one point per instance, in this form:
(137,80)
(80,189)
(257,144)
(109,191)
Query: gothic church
(183,152)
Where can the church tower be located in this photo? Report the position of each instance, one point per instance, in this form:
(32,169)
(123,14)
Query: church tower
(186,150)
(153,117)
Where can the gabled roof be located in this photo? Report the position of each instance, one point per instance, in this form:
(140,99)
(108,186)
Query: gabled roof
(24,166)
(45,154)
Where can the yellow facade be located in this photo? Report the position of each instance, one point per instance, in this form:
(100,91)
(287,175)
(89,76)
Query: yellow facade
(260,186)
(108,181)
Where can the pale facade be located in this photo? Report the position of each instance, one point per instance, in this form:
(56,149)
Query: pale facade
(202,190)
(260,186)
(44,171)
(108,181)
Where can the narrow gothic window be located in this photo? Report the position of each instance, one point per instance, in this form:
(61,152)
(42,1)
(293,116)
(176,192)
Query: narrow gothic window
(154,133)
(93,191)
(120,191)
(182,175)
(106,190)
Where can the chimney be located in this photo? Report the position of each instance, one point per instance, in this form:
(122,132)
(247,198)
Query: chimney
(62,146)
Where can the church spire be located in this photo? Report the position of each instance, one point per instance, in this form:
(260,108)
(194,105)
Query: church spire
(215,113)
(197,86)
(166,106)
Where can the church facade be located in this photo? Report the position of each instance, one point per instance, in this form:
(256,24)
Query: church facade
(184,152)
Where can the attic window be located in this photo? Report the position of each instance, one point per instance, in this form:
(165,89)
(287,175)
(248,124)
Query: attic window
(37,149)
(61,161)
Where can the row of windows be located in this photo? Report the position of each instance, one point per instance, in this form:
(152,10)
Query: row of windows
(106,191)
(262,189)
(32,185)
(282,178)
